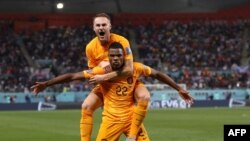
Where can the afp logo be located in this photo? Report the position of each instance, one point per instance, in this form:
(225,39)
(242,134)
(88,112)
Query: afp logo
(236,132)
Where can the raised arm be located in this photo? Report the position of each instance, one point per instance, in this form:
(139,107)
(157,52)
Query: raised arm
(68,77)
(40,86)
(167,80)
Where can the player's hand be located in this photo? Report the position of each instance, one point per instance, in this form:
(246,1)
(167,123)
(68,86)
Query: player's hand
(96,79)
(186,96)
(38,87)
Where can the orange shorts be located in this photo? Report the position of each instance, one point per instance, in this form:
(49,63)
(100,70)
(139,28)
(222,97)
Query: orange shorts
(97,90)
(139,84)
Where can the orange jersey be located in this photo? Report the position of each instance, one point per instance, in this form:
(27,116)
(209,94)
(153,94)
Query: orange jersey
(91,72)
(118,95)
(96,52)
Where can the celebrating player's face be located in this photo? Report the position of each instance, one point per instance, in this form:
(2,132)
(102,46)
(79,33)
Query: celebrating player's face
(102,27)
(116,58)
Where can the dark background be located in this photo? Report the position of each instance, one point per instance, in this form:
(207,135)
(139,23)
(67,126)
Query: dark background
(118,6)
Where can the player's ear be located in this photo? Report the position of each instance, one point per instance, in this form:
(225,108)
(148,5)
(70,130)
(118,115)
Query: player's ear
(110,26)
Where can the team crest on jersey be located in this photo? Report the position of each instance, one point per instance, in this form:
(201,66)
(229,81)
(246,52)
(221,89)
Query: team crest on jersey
(130,80)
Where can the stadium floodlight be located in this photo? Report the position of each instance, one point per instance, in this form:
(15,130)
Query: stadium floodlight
(59,5)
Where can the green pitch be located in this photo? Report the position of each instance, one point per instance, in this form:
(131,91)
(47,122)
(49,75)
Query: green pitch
(195,124)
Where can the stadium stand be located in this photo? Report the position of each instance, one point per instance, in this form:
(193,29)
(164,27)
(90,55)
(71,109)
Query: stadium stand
(204,50)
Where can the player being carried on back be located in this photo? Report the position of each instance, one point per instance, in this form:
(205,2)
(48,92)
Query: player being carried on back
(117,94)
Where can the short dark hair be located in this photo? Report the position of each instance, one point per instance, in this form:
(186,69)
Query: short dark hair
(102,15)
(115,45)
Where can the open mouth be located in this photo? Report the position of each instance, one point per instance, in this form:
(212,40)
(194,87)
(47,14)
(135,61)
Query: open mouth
(101,33)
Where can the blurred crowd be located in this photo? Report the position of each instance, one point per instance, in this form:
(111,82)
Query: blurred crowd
(201,54)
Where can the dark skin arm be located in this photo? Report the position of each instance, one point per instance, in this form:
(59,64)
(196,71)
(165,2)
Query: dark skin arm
(169,81)
(68,77)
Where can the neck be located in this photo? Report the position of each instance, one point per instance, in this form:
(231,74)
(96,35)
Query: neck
(104,43)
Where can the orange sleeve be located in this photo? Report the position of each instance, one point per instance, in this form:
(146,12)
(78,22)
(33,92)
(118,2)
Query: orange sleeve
(91,72)
(89,55)
(144,69)
(98,70)
(127,49)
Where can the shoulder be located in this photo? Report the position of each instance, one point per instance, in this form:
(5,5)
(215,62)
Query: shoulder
(92,43)
(138,65)
(118,38)
(113,35)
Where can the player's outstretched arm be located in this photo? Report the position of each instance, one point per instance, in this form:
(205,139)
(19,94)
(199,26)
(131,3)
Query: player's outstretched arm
(167,80)
(40,86)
